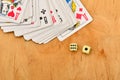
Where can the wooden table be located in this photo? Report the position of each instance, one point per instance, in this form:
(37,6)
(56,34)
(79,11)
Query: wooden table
(22,60)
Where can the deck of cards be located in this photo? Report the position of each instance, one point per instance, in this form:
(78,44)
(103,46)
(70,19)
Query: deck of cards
(43,20)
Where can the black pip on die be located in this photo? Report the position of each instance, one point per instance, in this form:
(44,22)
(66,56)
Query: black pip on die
(73,47)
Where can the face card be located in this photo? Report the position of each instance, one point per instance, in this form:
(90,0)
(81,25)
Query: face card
(26,19)
(82,16)
(12,10)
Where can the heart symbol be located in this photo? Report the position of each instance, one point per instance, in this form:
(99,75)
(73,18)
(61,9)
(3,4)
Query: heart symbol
(11,14)
(19,9)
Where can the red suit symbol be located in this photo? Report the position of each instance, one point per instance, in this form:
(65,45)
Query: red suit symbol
(80,15)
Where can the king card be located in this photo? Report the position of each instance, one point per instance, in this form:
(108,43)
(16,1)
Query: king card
(12,10)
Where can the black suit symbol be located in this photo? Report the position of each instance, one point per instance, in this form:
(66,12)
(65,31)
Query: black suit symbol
(45,19)
(43,11)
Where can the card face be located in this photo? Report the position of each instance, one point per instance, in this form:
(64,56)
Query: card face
(12,10)
(82,16)
(45,15)
(43,20)
(55,19)
(53,12)
(51,34)
(27,17)
(39,24)
(73,19)
(29,13)
(22,29)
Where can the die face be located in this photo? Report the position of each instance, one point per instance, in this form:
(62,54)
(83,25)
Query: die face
(86,49)
(73,47)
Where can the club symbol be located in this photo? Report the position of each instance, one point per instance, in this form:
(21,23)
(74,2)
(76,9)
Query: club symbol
(43,11)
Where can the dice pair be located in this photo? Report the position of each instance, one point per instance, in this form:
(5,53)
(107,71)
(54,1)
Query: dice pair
(85,49)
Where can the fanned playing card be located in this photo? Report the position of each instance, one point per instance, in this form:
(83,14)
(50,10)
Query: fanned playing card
(22,29)
(12,10)
(63,26)
(26,19)
(43,20)
(55,18)
(29,18)
(82,16)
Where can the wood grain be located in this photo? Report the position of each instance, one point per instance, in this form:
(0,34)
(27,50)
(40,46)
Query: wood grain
(21,60)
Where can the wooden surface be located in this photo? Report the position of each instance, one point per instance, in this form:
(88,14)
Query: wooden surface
(21,60)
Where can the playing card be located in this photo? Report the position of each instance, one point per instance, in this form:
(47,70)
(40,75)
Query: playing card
(12,10)
(43,20)
(74,21)
(55,19)
(42,23)
(45,17)
(26,19)
(67,8)
(34,24)
(82,16)
(22,32)
(30,19)
(61,18)
(51,35)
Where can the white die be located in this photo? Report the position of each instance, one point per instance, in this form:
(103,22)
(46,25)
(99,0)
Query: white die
(86,49)
(73,47)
